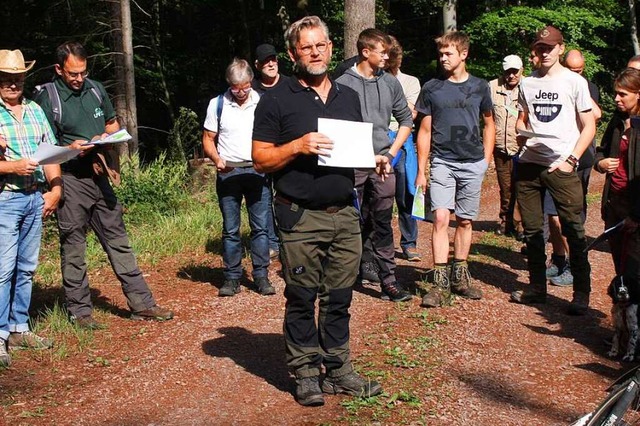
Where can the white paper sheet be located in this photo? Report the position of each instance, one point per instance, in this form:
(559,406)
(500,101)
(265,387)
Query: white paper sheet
(116,137)
(352,144)
(529,134)
(52,154)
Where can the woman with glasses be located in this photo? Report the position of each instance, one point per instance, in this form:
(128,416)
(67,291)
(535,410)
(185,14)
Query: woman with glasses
(227,142)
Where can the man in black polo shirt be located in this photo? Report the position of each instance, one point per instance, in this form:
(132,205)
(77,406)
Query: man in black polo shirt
(319,227)
(84,112)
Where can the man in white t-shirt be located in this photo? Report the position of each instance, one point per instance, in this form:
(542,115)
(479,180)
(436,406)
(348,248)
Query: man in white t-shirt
(227,140)
(549,101)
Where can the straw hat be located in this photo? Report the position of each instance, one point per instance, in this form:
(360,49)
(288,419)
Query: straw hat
(12,62)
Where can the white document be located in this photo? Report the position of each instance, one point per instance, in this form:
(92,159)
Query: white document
(53,154)
(116,137)
(352,144)
(529,134)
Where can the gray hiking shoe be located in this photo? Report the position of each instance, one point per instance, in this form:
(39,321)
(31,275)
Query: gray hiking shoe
(351,384)
(369,273)
(5,358)
(229,288)
(308,392)
(565,279)
(461,282)
(528,297)
(580,303)
(28,340)
(263,286)
(440,292)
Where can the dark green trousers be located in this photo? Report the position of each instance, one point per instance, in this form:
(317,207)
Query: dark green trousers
(321,254)
(566,191)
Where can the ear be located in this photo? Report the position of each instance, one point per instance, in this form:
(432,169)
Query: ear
(464,54)
(255,64)
(58,69)
(291,56)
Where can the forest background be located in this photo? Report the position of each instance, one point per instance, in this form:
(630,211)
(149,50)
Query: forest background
(182,47)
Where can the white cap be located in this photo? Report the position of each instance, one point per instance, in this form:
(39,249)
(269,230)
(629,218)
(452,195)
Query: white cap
(512,62)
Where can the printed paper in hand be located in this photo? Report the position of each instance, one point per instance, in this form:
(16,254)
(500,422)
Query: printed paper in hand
(52,154)
(352,144)
(418,211)
(116,137)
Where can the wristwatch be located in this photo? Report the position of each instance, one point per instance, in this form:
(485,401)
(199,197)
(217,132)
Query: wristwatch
(573,161)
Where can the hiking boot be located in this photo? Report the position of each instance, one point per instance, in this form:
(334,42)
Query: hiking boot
(440,292)
(28,340)
(88,323)
(411,254)
(351,384)
(308,392)
(528,297)
(263,286)
(580,303)
(369,273)
(394,292)
(154,313)
(229,288)
(5,358)
(461,282)
(565,279)
(502,228)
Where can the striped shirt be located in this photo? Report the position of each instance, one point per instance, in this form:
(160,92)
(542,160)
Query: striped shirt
(22,137)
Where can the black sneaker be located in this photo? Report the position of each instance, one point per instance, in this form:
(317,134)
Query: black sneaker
(229,288)
(308,392)
(351,384)
(394,292)
(369,273)
(263,286)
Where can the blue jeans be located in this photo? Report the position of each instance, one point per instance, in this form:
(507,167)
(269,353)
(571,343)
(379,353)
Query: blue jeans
(407,224)
(20,233)
(231,187)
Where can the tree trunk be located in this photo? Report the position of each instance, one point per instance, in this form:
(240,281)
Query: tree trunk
(120,97)
(358,15)
(131,119)
(449,17)
(634,27)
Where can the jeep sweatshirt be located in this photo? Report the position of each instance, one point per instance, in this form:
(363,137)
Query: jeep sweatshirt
(380,98)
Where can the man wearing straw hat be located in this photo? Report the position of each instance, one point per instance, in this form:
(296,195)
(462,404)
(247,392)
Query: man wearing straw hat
(23,126)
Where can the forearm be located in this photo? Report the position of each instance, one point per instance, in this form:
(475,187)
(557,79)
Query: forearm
(401,138)
(53,174)
(424,147)
(585,139)
(269,157)
(489,140)
(209,146)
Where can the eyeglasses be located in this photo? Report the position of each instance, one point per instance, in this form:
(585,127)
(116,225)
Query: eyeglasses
(238,91)
(320,47)
(382,54)
(75,75)
(17,81)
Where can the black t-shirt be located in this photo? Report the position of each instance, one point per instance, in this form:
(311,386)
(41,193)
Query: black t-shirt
(257,85)
(587,158)
(290,111)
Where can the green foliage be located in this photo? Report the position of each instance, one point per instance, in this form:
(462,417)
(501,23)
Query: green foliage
(185,137)
(511,30)
(156,189)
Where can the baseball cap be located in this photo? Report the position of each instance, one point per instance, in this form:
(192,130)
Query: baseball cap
(264,51)
(512,62)
(548,36)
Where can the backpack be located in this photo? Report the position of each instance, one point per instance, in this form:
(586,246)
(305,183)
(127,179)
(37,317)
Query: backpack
(107,161)
(219,110)
(56,104)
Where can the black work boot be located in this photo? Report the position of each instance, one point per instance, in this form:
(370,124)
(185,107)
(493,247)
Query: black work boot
(229,288)
(351,384)
(308,392)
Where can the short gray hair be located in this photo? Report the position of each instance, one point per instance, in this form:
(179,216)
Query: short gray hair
(292,35)
(239,71)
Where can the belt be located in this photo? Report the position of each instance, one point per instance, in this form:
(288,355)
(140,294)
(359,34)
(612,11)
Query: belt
(327,209)
(33,188)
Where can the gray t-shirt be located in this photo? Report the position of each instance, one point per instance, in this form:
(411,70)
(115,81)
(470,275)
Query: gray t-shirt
(455,109)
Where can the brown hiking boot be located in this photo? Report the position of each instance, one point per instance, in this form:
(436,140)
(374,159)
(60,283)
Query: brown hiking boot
(154,313)
(461,282)
(440,293)
(351,384)
(28,340)
(88,323)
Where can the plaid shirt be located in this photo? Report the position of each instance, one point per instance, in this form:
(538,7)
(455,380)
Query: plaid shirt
(22,137)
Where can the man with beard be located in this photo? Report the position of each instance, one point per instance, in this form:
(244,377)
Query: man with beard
(319,226)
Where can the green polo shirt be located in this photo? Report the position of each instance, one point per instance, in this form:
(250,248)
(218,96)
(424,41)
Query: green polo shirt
(83,117)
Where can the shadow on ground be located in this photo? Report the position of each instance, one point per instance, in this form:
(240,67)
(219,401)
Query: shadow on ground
(247,350)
